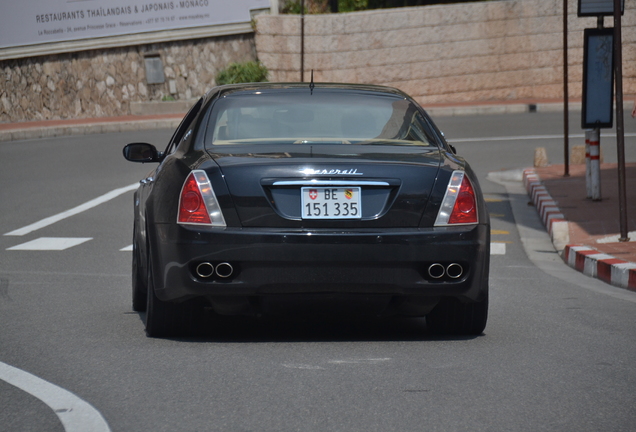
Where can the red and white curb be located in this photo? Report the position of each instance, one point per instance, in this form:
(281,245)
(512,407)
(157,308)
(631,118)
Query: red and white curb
(602,266)
(547,208)
(585,259)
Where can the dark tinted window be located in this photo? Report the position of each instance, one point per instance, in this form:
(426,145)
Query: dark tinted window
(184,130)
(321,117)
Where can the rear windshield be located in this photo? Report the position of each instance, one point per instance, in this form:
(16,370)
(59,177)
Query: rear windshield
(319,118)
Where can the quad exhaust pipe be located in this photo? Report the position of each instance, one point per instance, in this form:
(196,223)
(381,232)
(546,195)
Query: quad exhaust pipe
(454,271)
(438,271)
(222,270)
(205,270)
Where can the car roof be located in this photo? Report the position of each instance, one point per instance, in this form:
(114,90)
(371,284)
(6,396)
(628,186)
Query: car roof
(267,87)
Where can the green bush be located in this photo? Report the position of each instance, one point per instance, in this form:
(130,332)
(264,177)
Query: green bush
(352,5)
(236,73)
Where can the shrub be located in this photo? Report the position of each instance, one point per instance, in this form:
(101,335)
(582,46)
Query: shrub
(352,5)
(311,7)
(235,73)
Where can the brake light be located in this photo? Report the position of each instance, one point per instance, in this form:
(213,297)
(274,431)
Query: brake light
(197,203)
(459,205)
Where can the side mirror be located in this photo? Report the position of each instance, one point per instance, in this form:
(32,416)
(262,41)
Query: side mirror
(142,152)
(453,149)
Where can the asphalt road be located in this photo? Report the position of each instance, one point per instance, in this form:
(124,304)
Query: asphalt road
(558,352)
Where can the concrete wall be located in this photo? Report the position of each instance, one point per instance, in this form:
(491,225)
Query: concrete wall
(104,83)
(507,50)
(445,54)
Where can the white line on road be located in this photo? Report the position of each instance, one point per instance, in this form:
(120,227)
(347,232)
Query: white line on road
(497,248)
(72,212)
(51,243)
(75,414)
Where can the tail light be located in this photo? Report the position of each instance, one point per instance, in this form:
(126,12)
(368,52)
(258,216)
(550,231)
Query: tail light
(459,206)
(197,203)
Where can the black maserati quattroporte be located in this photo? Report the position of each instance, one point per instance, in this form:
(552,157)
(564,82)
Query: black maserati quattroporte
(312,194)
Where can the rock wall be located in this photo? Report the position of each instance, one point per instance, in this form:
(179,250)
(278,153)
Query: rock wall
(103,83)
(444,54)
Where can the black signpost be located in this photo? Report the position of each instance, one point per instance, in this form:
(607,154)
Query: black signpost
(620,129)
(302,40)
(603,73)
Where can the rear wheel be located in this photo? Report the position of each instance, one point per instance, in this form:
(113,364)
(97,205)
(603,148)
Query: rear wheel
(451,316)
(169,319)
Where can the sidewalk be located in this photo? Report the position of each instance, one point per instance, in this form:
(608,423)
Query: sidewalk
(584,231)
(55,128)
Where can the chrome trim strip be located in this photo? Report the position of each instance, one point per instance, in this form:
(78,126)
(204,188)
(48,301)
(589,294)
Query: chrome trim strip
(329,183)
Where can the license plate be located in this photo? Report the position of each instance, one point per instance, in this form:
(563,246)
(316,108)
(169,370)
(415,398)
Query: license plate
(331,203)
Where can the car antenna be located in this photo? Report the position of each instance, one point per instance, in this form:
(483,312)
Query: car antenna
(311,84)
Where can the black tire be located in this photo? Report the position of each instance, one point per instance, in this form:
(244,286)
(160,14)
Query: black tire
(452,317)
(165,319)
(139,282)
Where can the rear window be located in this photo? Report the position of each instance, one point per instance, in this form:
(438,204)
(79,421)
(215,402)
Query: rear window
(318,118)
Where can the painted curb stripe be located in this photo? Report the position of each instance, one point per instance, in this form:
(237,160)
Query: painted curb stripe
(585,259)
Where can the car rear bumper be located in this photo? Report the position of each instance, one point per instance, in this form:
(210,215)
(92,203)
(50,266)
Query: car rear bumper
(267,262)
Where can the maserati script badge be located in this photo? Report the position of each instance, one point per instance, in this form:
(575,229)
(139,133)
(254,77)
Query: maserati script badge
(311,171)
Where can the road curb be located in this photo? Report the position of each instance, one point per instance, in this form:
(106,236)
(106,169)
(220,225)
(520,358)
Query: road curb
(585,259)
(607,268)
(546,206)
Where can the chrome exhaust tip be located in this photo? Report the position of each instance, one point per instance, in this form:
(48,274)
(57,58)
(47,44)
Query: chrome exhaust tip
(224,270)
(454,271)
(205,270)
(436,270)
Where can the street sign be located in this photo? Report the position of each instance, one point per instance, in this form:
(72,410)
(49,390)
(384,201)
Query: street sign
(598,7)
(598,79)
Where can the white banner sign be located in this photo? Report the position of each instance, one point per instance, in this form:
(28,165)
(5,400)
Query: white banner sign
(30,22)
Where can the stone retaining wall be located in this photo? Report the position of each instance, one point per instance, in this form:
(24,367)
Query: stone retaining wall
(103,83)
(444,54)
(505,50)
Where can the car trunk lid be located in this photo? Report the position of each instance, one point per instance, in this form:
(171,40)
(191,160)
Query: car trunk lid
(291,186)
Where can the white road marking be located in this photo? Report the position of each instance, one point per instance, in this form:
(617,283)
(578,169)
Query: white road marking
(51,243)
(72,212)
(302,366)
(363,361)
(497,248)
(127,248)
(360,361)
(75,414)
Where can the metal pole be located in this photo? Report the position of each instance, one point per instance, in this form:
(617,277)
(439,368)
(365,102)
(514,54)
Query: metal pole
(593,153)
(566,114)
(595,164)
(588,165)
(620,130)
(302,40)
